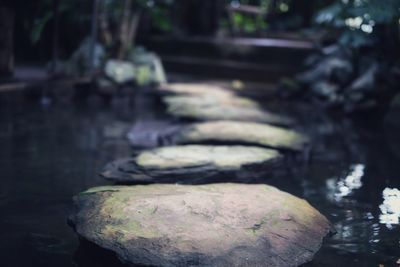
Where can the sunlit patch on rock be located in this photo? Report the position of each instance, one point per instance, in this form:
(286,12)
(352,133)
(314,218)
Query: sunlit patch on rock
(231,108)
(193,163)
(243,133)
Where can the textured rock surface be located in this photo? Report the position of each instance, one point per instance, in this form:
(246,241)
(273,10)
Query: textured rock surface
(205,101)
(195,89)
(207,225)
(241,133)
(193,163)
(229,108)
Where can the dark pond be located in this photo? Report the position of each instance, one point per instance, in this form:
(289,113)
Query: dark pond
(52,149)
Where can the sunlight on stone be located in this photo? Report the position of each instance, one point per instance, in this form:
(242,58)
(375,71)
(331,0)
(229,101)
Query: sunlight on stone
(390,208)
(345,186)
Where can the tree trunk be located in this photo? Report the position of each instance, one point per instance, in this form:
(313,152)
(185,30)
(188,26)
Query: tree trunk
(6,41)
(104,26)
(124,29)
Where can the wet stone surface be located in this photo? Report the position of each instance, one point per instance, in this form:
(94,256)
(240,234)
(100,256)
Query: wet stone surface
(185,101)
(194,164)
(207,225)
(54,152)
(203,110)
(194,89)
(241,133)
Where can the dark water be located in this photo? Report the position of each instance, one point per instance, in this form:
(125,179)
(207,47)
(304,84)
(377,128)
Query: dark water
(51,150)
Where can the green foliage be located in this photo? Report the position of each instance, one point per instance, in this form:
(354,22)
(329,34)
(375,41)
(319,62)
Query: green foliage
(157,10)
(38,27)
(161,19)
(44,14)
(249,24)
(359,18)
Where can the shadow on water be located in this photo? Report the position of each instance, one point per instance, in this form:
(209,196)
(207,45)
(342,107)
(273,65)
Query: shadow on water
(51,151)
(89,254)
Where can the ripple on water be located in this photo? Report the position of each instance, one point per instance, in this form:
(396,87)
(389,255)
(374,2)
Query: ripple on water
(338,189)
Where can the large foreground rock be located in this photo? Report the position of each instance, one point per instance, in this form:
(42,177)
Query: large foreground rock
(193,164)
(241,133)
(222,108)
(208,225)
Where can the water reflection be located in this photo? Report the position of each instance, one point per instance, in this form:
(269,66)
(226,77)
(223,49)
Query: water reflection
(390,208)
(346,185)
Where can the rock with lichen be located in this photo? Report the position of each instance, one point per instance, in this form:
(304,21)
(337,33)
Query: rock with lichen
(203,225)
(249,133)
(193,164)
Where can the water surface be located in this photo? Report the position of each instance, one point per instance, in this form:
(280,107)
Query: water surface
(52,150)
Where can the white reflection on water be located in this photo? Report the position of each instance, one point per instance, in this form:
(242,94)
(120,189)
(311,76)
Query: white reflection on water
(346,185)
(390,208)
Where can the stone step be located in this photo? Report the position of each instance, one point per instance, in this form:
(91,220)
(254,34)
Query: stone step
(263,59)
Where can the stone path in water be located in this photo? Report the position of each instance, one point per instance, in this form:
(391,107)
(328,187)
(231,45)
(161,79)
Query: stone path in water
(249,133)
(193,164)
(202,223)
(209,108)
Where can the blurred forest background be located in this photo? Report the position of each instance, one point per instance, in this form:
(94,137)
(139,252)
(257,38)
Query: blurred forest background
(356,42)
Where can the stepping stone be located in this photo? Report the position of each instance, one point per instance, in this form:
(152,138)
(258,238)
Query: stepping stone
(249,133)
(187,101)
(195,89)
(222,108)
(203,225)
(193,164)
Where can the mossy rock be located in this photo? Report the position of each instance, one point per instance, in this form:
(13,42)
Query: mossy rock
(204,225)
(237,132)
(194,164)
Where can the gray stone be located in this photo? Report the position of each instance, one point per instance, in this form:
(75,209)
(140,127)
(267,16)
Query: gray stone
(206,225)
(79,63)
(195,89)
(193,164)
(120,71)
(149,133)
(205,101)
(339,70)
(150,69)
(325,90)
(366,81)
(221,108)
(249,133)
